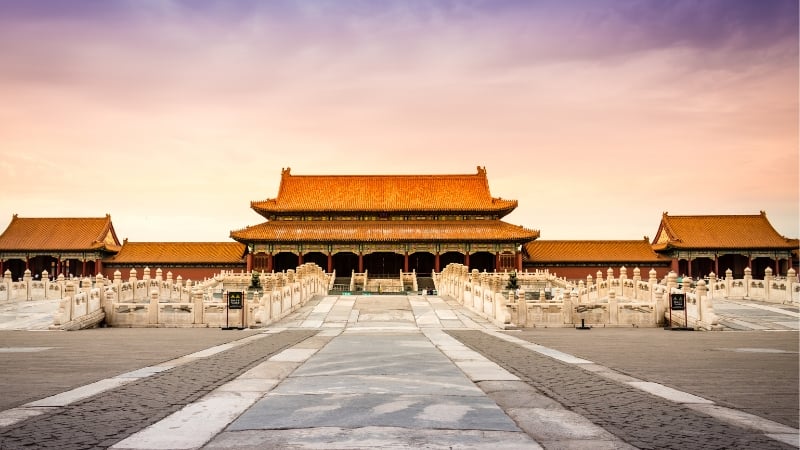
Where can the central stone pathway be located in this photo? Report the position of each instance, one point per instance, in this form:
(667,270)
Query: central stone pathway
(380,382)
(375,389)
(380,373)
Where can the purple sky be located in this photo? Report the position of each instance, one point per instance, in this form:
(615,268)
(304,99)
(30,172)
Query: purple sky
(596,115)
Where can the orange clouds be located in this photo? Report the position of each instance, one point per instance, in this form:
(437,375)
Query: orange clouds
(596,117)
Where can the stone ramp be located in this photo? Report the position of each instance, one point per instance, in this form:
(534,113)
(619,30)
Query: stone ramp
(28,315)
(751,315)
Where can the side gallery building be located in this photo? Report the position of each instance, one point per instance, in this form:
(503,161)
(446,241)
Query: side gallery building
(384,224)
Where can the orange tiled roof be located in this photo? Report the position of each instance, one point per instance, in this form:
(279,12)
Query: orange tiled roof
(592,251)
(730,231)
(59,233)
(179,252)
(384,231)
(358,193)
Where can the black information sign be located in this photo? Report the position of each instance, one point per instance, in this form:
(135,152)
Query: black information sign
(677,302)
(234,300)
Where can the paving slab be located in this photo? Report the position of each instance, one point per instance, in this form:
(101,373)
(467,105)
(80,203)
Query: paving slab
(373,438)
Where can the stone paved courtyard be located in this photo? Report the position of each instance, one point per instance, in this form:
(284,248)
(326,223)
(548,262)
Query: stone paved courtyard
(404,372)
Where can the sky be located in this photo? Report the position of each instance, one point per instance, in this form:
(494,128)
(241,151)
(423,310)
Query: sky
(597,116)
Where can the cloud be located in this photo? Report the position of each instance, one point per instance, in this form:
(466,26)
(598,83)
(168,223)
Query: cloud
(584,101)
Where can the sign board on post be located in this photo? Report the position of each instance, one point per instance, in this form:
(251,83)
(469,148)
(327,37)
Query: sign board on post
(235,301)
(677,301)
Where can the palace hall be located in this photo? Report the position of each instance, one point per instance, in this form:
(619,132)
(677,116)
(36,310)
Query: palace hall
(384,224)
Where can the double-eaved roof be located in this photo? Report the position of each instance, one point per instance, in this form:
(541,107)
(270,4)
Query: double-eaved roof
(179,253)
(59,234)
(719,232)
(386,193)
(399,208)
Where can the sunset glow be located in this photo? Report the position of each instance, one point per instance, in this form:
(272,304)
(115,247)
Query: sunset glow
(596,115)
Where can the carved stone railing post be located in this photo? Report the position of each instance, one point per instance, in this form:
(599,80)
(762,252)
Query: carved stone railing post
(637,277)
(767,282)
(712,282)
(152,310)
(566,308)
(109,298)
(728,282)
(26,280)
(748,279)
(86,285)
(197,307)
(132,280)
(661,305)
(672,282)
(686,285)
(652,281)
(70,290)
(613,309)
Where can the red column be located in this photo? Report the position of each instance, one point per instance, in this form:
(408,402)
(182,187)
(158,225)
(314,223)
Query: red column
(405,262)
(519,261)
(299,258)
(27,263)
(330,262)
(675,265)
(436,263)
(466,259)
(777,266)
(249,262)
(689,263)
(98,266)
(1,268)
(83,268)
(360,262)
(269,262)
(716,264)
(497,261)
